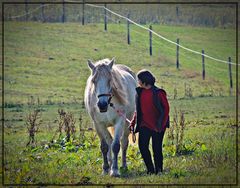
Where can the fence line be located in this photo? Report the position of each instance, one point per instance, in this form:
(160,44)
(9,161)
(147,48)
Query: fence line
(139,33)
(154,41)
(145,28)
(192,59)
(150,38)
(160,36)
(135,31)
(34,10)
(157,42)
(178,45)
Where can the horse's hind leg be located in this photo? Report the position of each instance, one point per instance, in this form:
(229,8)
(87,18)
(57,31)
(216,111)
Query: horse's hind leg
(124,146)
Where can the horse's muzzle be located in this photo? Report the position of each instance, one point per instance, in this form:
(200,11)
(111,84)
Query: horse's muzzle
(103,106)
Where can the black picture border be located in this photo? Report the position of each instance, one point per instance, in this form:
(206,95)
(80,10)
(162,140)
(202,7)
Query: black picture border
(135,2)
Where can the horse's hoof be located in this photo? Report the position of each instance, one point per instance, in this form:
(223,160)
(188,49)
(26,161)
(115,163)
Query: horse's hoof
(114,173)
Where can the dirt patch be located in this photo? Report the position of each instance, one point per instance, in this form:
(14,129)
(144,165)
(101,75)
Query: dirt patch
(222,116)
(190,74)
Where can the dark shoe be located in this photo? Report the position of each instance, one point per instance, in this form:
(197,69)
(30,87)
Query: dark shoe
(159,170)
(150,169)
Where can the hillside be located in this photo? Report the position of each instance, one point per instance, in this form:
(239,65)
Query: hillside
(45,68)
(49,60)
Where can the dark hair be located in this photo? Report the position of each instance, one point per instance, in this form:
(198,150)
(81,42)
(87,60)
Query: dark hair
(146,77)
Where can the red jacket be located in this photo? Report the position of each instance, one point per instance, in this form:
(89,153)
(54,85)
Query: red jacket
(152,109)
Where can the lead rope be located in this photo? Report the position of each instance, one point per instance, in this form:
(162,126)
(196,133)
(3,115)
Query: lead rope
(120,113)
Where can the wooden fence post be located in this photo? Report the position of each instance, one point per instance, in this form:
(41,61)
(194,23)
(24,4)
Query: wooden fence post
(63,13)
(83,17)
(177,11)
(203,66)
(177,62)
(150,40)
(230,74)
(26,9)
(128,30)
(105,17)
(43,17)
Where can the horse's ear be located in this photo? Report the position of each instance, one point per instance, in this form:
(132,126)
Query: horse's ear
(90,64)
(111,63)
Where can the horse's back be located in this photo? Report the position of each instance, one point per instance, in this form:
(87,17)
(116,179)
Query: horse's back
(127,69)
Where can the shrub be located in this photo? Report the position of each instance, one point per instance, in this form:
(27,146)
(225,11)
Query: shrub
(176,132)
(33,122)
(66,123)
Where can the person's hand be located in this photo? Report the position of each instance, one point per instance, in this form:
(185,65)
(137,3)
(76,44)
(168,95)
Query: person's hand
(131,126)
(133,122)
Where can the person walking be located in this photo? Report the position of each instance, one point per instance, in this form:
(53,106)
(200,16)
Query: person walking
(150,120)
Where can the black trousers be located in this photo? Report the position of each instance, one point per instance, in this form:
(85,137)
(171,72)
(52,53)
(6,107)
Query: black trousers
(157,138)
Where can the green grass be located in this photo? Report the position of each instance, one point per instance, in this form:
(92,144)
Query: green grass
(216,131)
(54,56)
(45,67)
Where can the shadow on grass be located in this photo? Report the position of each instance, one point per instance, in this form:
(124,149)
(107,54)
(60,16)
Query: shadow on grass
(133,174)
(137,173)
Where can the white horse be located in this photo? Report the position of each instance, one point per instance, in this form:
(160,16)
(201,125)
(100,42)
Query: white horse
(110,83)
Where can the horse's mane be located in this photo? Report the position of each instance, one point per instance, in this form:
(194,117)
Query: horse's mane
(116,76)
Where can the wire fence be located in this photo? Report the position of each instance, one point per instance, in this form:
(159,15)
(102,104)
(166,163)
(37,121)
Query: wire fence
(27,12)
(216,15)
(106,15)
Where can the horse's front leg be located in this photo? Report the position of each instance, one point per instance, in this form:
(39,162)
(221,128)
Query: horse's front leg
(105,138)
(104,150)
(124,146)
(116,147)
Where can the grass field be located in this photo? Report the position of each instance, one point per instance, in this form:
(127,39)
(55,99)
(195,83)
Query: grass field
(45,68)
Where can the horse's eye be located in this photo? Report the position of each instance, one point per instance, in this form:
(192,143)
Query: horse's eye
(94,79)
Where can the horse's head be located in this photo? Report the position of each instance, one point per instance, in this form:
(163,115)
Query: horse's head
(102,82)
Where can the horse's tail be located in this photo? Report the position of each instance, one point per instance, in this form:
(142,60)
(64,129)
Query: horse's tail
(133,141)
(130,137)
(111,130)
